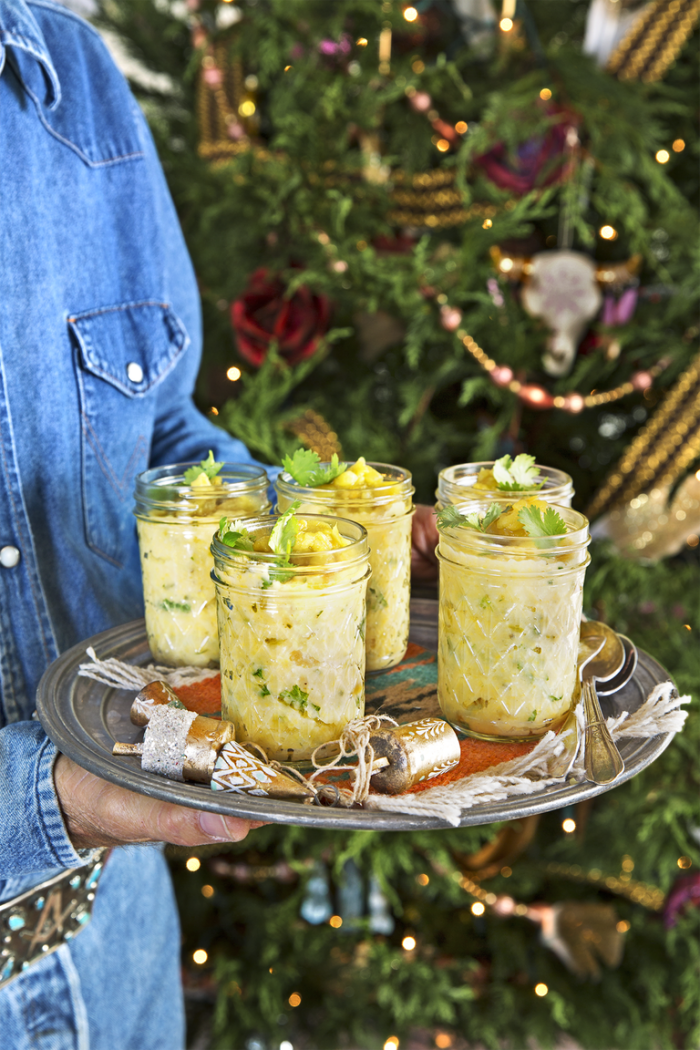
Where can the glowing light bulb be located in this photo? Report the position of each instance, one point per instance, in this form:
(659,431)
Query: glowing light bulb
(478,908)
(335,921)
(423,879)
(505,265)
(622,926)
(247,108)
(663,156)
(193,863)
(678,146)
(568,825)
(207,891)
(200,956)
(608,233)
(294,999)
(392,1043)
(541,989)
(443,145)
(684,862)
(443,1041)
(461,127)
(545,94)
(506,24)
(233,373)
(408,943)
(361,41)
(486,225)
(410,14)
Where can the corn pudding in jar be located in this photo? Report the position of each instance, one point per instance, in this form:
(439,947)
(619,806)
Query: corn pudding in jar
(511,591)
(178,509)
(379,497)
(291,605)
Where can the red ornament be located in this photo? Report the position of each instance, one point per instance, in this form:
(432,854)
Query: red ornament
(421,102)
(263,315)
(535,396)
(450,318)
(501,375)
(539,161)
(642,381)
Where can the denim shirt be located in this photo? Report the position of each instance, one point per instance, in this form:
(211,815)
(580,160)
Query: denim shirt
(99,349)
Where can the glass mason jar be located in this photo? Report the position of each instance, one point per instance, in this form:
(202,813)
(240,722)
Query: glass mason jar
(508,627)
(292,640)
(455,486)
(175,524)
(385,512)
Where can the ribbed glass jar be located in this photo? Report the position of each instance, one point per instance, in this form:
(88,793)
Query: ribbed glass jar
(508,627)
(455,486)
(385,512)
(175,524)
(292,640)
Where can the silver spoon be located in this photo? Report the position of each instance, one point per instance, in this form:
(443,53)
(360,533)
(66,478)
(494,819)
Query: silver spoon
(560,766)
(603,762)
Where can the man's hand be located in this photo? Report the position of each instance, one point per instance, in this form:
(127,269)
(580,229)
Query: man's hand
(98,813)
(424,564)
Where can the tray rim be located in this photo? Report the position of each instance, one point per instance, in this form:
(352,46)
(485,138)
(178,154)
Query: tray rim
(65,730)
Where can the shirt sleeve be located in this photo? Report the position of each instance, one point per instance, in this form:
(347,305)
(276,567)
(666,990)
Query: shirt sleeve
(33,835)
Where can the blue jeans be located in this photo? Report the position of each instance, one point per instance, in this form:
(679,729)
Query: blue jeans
(116,986)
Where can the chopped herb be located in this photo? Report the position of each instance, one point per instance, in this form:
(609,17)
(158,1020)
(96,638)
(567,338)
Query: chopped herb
(296,698)
(533,716)
(305,467)
(555,698)
(516,475)
(537,524)
(170,606)
(260,673)
(485,602)
(178,704)
(207,466)
(377,599)
(284,533)
(264,691)
(234,534)
(450,518)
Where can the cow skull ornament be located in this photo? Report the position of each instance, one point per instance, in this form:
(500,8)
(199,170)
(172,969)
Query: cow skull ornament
(563,290)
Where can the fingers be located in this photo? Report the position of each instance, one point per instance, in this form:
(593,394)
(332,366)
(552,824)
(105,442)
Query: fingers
(424,541)
(98,813)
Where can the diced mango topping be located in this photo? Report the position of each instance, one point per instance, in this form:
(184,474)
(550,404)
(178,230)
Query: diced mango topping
(204,482)
(359,475)
(313,537)
(485,481)
(509,524)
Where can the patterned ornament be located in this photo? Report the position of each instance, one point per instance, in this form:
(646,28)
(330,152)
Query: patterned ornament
(238,771)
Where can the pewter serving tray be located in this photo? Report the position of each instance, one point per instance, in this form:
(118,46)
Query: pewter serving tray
(83,718)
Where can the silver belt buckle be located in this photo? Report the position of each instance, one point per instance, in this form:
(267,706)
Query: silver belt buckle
(39,921)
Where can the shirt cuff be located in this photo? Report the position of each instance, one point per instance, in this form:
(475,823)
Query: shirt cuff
(33,835)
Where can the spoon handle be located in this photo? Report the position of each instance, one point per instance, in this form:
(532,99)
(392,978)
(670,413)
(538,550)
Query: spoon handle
(603,762)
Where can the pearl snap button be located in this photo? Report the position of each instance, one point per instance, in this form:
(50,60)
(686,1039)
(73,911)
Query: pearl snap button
(134,372)
(9,557)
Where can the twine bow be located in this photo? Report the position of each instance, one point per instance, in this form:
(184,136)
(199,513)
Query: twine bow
(354,740)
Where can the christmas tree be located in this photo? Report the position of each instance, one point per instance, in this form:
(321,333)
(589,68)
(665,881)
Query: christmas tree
(433,234)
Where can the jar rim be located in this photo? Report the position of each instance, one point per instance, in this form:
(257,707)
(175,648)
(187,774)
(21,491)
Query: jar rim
(168,482)
(514,545)
(553,478)
(314,560)
(402,477)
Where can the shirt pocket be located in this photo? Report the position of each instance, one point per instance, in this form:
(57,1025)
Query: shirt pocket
(123,353)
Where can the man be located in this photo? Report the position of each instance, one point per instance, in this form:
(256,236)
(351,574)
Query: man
(99,349)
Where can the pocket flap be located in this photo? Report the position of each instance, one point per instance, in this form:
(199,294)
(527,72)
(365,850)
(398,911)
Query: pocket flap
(132,346)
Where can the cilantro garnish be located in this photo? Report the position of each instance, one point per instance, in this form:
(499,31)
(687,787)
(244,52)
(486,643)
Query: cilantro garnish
(207,466)
(234,534)
(284,534)
(305,467)
(296,698)
(516,475)
(537,524)
(450,518)
(172,606)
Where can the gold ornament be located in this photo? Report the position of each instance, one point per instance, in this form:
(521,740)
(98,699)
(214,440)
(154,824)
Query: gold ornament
(654,41)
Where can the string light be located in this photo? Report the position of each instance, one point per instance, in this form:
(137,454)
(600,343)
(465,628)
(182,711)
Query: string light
(335,921)
(193,863)
(461,127)
(294,999)
(486,225)
(422,879)
(361,41)
(684,862)
(622,926)
(506,872)
(678,146)
(506,24)
(408,943)
(443,1040)
(233,373)
(477,908)
(287,68)
(608,233)
(627,863)
(545,94)
(687,627)
(207,891)
(541,989)
(443,145)
(214,410)
(200,956)
(392,1043)
(568,825)
(286,1045)
(663,156)
(410,14)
